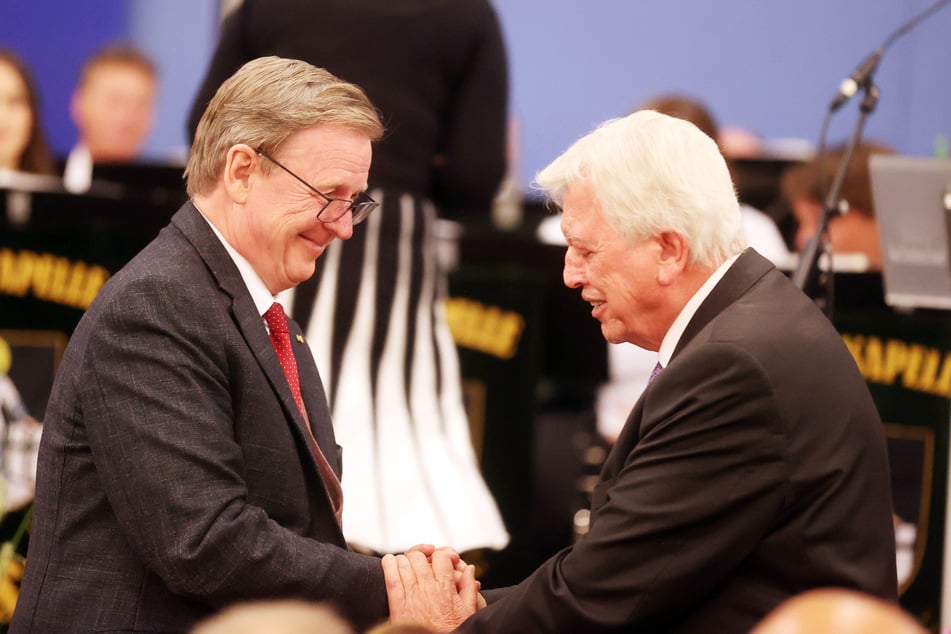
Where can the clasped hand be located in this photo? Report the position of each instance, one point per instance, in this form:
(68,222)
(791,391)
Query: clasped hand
(434,587)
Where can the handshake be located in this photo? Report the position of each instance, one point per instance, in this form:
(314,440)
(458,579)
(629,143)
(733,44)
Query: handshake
(430,586)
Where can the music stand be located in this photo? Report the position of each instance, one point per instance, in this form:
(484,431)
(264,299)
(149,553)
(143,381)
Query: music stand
(913,206)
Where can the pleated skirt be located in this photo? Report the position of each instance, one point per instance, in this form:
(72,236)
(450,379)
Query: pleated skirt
(374,316)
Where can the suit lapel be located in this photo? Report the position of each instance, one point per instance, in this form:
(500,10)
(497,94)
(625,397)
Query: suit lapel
(749,268)
(251,324)
(315,399)
(745,272)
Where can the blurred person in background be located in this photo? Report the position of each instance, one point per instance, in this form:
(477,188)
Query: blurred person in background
(374,311)
(113,108)
(23,145)
(23,153)
(854,230)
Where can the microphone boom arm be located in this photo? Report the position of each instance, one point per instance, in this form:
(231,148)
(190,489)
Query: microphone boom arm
(806,276)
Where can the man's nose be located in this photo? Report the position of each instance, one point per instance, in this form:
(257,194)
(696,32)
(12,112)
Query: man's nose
(572,273)
(342,227)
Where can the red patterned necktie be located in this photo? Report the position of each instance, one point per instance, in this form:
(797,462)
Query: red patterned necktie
(281,340)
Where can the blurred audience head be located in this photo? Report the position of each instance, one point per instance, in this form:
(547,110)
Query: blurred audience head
(684,107)
(837,611)
(22,142)
(113,105)
(274,617)
(400,628)
(737,142)
(734,142)
(855,230)
(265,102)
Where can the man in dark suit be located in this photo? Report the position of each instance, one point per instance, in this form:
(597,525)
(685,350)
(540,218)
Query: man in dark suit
(180,470)
(753,466)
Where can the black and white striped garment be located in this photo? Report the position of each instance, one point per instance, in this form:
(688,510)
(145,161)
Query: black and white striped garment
(374,315)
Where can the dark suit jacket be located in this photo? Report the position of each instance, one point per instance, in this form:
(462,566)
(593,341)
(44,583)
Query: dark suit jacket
(174,472)
(752,469)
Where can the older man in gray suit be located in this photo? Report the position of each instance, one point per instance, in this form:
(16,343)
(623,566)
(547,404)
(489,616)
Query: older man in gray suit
(187,464)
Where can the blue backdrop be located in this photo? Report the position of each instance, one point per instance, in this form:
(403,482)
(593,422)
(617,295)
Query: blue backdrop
(771,67)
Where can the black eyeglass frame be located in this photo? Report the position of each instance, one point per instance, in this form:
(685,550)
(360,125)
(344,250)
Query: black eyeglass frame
(361,207)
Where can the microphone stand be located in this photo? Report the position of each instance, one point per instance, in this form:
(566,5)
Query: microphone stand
(808,276)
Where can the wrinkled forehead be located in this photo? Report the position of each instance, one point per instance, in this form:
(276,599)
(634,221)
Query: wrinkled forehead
(581,209)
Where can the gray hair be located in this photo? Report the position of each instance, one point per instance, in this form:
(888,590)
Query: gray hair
(265,102)
(654,173)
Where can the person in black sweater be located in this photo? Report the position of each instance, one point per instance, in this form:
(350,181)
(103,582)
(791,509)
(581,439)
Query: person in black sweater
(373,312)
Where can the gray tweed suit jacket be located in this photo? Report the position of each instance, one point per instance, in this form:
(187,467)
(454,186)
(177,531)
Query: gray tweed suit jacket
(174,472)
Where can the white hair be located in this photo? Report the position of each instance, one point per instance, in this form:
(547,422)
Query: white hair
(654,173)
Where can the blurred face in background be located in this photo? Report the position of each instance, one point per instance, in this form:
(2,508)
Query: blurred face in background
(114,110)
(16,118)
(807,214)
(851,232)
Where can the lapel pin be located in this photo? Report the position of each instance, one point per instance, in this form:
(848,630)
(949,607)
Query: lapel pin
(300,339)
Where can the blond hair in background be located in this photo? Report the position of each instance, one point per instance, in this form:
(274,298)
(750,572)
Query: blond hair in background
(275,617)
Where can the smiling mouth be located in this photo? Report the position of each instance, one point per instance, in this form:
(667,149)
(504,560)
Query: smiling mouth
(593,302)
(314,245)
(311,240)
(597,308)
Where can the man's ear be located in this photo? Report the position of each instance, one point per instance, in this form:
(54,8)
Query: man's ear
(672,257)
(239,167)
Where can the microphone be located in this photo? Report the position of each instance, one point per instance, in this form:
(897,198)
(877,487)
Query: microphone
(862,75)
(858,79)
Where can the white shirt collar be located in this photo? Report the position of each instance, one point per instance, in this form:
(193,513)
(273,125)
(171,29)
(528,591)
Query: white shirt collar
(676,330)
(77,173)
(260,294)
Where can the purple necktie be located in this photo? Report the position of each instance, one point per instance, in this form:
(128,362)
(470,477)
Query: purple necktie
(655,372)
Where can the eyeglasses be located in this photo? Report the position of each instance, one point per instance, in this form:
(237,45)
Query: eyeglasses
(334,208)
